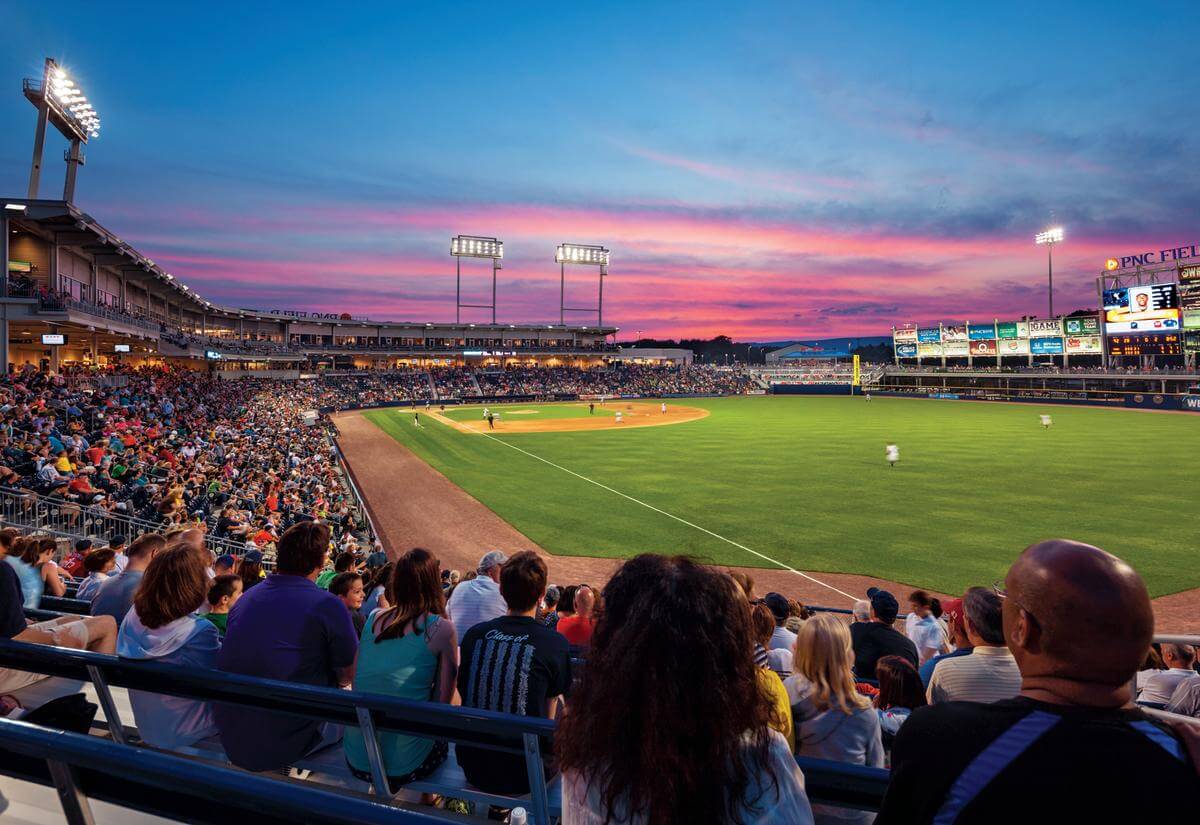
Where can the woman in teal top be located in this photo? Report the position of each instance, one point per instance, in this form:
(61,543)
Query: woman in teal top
(409,651)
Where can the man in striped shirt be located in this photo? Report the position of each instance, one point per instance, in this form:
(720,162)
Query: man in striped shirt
(990,673)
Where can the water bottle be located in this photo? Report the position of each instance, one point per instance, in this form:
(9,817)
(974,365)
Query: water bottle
(518,817)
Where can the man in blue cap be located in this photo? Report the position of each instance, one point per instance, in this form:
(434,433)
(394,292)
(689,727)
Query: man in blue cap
(874,639)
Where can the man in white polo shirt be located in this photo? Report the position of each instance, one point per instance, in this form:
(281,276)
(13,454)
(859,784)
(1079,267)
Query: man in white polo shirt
(990,673)
(1180,660)
(479,599)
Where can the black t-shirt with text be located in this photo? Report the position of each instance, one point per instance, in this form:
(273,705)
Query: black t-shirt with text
(512,665)
(874,640)
(1079,765)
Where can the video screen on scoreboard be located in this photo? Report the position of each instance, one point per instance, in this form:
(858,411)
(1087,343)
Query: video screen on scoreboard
(1169,344)
(1141,310)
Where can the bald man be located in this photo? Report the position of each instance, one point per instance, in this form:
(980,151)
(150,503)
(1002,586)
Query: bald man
(1072,747)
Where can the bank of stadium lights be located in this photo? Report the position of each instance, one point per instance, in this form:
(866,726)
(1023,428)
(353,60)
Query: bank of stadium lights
(1049,238)
(60,102)
(475,246)
(471,246)
(586,255)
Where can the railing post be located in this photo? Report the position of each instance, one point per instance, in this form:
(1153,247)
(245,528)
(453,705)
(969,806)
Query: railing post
(537,779)
(374,754)
(111,715)
(74,802)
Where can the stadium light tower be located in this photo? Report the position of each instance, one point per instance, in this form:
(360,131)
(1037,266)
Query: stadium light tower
(1050,237)
(475,246)
(586,255)
(60,102)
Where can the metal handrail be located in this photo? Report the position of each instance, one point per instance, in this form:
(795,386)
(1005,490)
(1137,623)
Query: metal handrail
(31,511)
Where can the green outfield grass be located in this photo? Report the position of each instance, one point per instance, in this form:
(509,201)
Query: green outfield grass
(803,480)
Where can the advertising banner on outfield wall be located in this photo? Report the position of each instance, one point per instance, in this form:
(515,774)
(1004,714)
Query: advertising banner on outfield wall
(1084,344)
(1046,346)
(1082,325)
(1013,346)
(954,333)
(929,336)
(906,350)
(1045,329)
(928,350)
(905,336)
(956,349)
(981,332)
(1012,329)
(979,348)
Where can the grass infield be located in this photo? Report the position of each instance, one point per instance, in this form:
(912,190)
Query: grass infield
(803,480)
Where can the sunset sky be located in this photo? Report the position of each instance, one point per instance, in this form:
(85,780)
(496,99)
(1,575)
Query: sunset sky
(769,171)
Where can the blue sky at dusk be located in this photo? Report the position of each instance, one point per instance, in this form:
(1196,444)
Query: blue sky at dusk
(772,171)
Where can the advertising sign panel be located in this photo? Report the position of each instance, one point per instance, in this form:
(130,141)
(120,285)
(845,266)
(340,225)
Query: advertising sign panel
(906,350)
(1082,325)
(1191,341)
(979,348)
(1046,346)
(1084,344)
(981,332)
(1047,328)
(1012,329)
(956,349)
(1189,296)
(929,350)
(1013,346)
(905,336)
(954,333)
(928,336)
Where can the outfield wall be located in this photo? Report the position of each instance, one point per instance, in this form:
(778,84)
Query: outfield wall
(1130,400)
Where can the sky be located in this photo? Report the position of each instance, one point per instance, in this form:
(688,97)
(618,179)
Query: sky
(776,171)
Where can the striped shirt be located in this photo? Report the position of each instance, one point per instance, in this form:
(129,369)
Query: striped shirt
(989,674)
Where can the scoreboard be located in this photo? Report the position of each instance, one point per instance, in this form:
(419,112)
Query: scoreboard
(1168,344)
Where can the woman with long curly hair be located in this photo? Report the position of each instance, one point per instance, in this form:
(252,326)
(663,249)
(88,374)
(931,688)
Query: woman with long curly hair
(833,720)
(670,722)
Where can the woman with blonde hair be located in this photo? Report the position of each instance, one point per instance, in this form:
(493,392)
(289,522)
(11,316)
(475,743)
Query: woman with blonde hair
(833,721)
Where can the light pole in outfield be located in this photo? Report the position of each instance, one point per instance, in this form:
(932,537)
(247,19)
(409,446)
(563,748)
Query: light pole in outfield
(475,246)
(587,255)
(1049,238)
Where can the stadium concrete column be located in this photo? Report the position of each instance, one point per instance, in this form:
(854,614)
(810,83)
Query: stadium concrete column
(4,236)
(942,344)
(95,348)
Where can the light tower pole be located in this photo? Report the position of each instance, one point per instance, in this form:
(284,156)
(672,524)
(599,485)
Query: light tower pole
(1049,238)
(62,104)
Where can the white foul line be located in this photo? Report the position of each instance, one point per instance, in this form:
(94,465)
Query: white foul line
(670,515)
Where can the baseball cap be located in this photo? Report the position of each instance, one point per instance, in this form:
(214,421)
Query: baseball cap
(491,559)
(952,612)
(224,561)
(884,604)
(83,545)
(778,605)
(253,556)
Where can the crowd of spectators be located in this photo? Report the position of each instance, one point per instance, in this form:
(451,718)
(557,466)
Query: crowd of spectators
(673,703)
(170,447)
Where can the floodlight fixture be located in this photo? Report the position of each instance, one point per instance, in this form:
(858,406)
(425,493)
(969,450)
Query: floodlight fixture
(475,246)
(1049,238)
(15,207)
(586,255)
(574,253)
(60,102)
